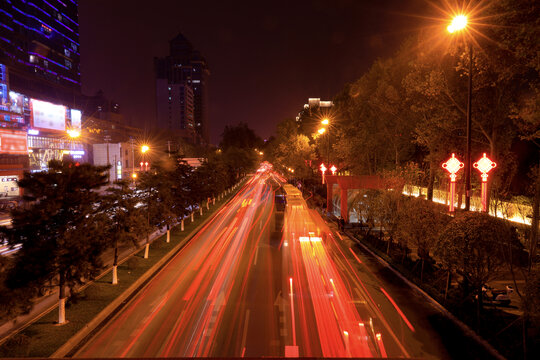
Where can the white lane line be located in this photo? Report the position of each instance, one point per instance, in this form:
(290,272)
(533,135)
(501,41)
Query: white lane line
(256,256)
(244,335)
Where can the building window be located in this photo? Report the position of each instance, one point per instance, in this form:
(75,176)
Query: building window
(45,63)
(67,52)
(32,58)
(68,64)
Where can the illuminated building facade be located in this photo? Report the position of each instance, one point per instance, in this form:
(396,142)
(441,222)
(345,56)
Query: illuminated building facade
(39,85)
(40,45)
(184,68)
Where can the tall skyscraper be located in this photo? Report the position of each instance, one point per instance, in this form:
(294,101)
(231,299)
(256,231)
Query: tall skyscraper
(40,46)
(39,86)
(181,91)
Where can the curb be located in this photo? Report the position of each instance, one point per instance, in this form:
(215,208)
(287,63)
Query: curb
(131,291)
(8,334)
(464,327)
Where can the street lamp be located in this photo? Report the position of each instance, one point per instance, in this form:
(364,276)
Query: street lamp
(459,23)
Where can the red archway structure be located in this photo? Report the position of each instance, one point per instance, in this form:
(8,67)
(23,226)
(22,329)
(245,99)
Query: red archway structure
(350,182)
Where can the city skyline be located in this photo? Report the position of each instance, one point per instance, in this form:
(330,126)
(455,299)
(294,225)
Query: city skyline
(259,76)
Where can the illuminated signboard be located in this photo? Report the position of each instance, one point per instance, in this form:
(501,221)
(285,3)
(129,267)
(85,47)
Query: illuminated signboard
(48,116)
(13,142)
(16,102)
(75,119)
(9,186)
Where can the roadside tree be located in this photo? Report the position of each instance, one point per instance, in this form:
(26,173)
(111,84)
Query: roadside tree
(62,230)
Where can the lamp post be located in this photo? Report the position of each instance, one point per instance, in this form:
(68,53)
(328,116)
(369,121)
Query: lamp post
(144,150)
(484,165)
(323,170)
(333,169)
(453,165)
(458,24)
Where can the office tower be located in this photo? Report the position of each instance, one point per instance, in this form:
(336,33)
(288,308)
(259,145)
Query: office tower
(181,91)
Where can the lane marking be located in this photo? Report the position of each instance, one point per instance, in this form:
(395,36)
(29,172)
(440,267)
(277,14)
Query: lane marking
(256,256)
(244,334)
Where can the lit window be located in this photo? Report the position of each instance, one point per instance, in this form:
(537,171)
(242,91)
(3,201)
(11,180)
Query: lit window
(68,64)
(32,59)
(45,63)
(67,52)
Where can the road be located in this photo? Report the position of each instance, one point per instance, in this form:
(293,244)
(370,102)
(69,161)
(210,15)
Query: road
(256,282)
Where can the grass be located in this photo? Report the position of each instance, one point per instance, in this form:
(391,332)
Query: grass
(43,337)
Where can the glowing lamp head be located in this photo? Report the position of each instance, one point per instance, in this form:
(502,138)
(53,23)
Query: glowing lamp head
(73,133)
(458,23)
(453,165)
(484,165)
(325,122)
(144,148)
(323,168)
(321,131)
(134,175)
(333,169)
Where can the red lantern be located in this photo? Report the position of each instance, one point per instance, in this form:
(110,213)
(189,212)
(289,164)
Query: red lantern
(453,165)
(484,165)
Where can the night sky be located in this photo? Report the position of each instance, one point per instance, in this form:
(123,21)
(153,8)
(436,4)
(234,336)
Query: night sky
(266,58)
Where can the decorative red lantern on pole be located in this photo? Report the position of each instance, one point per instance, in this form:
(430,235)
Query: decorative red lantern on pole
(484,165)
(453,165)
(146,165)
(323,170)
(333,169)
(142,166)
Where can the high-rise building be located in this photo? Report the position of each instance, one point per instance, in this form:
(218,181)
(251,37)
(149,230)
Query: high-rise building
(40,46)
(39,85)
(184,73)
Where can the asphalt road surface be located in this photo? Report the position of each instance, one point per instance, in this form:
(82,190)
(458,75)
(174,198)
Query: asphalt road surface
(257,282)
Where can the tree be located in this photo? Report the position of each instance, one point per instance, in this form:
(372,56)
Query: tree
(61,230)
(474,244)
(126,221)
(420,223)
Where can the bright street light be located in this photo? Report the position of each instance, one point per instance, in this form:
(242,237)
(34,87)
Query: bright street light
(325,122)
(458,23)
(144,148)
(73,133)
(321,131)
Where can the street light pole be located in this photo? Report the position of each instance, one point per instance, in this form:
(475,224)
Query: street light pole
(469,123)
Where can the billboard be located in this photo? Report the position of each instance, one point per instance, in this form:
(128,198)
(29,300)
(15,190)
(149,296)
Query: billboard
(17,102)
(76,119)
(13,142)
(47,116)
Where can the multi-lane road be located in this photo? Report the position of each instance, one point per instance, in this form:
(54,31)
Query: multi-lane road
(257,282)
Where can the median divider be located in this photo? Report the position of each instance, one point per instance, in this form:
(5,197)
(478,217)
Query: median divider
(99,300)
(84,334)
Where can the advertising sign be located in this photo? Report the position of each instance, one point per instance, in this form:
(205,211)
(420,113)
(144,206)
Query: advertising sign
(76,119)
(9,186)
(48,116)
(13,142)
(17,102)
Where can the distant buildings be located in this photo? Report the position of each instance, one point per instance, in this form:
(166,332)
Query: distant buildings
(181,92)
(309,118)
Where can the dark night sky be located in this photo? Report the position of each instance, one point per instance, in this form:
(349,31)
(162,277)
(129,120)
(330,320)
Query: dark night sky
(266,58)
